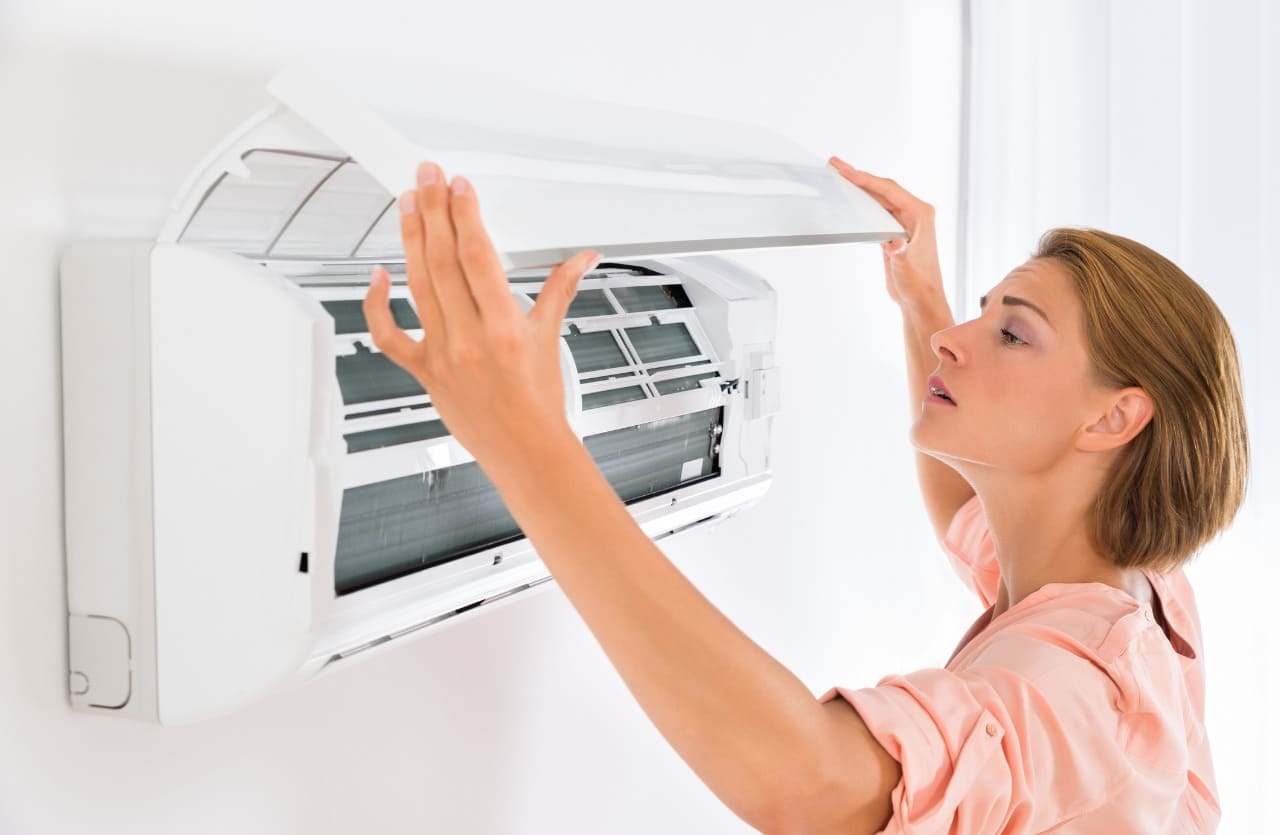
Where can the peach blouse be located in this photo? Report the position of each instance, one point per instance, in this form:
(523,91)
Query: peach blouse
(1077,710)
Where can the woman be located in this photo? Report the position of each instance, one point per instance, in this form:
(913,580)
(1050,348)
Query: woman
(1088,439)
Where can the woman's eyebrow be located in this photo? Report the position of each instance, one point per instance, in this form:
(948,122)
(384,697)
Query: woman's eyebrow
(982,304)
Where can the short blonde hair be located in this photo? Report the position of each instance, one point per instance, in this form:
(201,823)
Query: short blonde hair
(1181,480)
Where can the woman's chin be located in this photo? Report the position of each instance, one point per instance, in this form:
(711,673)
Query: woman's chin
(925,437)
(922,432)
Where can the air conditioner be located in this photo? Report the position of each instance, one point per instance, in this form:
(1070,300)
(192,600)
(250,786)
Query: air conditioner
(256,495)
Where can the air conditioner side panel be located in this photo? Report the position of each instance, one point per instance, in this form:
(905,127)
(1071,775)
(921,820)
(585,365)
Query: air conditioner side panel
(741,319)
(107,477)
(233,354)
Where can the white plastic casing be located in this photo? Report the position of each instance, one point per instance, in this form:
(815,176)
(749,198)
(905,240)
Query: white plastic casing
(204,423)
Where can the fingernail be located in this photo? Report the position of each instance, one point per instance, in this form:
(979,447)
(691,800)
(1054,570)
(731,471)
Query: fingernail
(428,173)
(380,277)
(408,203)
(593,263)
(459,185)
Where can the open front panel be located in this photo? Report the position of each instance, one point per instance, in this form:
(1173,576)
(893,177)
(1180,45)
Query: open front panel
(558,174)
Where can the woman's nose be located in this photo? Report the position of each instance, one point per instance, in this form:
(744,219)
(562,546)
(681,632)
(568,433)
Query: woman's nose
(944,345)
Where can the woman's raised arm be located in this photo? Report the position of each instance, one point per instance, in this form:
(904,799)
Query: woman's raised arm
(913,278)
(752,731)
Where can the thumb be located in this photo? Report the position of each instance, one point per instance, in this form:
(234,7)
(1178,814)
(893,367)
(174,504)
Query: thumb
(895,247)
(561,286)
(387,336)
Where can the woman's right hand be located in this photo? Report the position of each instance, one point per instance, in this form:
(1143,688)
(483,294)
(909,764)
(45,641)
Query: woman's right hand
(911,270)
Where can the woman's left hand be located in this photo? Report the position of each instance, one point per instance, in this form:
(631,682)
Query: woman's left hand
(493,372)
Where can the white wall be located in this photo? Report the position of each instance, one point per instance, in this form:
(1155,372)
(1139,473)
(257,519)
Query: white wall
(512,722)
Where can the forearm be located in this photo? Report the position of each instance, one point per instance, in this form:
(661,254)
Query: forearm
(942,487)
(741,720)
(920,320)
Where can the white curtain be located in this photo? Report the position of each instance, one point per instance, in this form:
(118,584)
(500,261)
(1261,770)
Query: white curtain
(1158,120)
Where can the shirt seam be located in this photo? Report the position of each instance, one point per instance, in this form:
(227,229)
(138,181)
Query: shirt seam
(1095,648)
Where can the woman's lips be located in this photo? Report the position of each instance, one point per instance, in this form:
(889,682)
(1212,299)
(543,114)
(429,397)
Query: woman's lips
(933,398)
(935,382)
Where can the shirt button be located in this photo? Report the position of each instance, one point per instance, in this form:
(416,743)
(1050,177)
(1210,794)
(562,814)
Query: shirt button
(991,730)
(1146,613)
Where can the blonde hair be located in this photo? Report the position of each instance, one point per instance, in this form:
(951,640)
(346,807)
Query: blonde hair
(1182,478)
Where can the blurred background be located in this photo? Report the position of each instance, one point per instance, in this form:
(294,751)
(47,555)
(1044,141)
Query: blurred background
(1158,120)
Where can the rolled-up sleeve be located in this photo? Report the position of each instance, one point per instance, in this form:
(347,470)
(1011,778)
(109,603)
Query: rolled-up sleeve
(942,730)
(986,750)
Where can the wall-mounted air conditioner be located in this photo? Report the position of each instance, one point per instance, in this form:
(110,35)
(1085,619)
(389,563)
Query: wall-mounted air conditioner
(255,494)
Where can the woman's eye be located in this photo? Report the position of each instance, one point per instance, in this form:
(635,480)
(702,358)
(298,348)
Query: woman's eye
(1013,336)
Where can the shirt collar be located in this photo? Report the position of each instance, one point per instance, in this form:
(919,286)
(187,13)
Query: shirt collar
(1175,617)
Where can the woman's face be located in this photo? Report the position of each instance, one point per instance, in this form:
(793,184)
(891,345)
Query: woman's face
(1021,384)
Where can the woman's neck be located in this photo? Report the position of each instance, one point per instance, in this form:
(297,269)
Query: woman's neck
(1041,536)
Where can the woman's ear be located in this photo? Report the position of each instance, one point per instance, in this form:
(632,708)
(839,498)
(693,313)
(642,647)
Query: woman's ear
(1128,411)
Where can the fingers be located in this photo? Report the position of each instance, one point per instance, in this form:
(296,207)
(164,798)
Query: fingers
(440,251)
(878,186)
(560,288)
(386,334)
(415,266)
(477,256)
(905,207)
(858,179)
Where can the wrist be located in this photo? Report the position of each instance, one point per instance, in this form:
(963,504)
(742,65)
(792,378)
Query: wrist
(536,460)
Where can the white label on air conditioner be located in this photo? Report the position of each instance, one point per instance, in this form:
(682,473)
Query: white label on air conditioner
(691,469)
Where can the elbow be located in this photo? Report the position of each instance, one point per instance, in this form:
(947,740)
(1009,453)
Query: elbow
(792,817)
(842,781)
(826,807)
(782,810)
(805,825)
(789,821)
(774,818)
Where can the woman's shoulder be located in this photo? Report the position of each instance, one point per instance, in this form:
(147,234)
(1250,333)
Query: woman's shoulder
(1095,663)
(1074,677)
(1093,622)
(1095,642)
